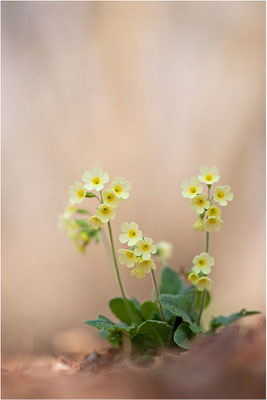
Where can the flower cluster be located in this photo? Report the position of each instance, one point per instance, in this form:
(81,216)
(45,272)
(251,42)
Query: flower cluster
(109,198)
(203,203)
(139,256)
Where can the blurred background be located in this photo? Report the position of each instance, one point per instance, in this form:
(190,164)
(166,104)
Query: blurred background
(149,91)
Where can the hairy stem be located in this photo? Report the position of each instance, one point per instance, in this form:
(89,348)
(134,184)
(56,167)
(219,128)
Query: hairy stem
(157,294)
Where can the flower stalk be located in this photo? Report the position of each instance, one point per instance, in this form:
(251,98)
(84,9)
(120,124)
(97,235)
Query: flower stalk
(157,295)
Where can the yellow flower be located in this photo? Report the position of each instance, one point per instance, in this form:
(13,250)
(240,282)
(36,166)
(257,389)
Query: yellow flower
(68,225)
(104,212)
(77,193)
(193,277)
(203,283)
(164,250)
(222,195)
(95,222)
(200,203)
(214,211)
(191,189)
(208,175)
(202,263)
(121,188)
(143,268)
(198,226)
(145,248)
(70,210)
(131,233)
(127,257)
(213,223)
(110,198)
(95,179)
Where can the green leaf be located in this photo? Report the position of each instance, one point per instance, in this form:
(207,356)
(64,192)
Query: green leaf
(148,308)
(104,324)
(82,211)
(90,194)
(158,332)
(171,282)
(136,303)
(198,299)
(118,308)
(82,223)
(177,304)
(182,336)
(219,321)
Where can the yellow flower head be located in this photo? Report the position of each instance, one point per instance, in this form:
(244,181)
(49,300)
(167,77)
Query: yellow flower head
(198,226)
(222,195)
(203,283)
(77,193)
(104,212)
(202,263)
(164,250)
(145,248)
(191,189)
(131,233)
(214,211)
(200,203)
(95,179)
(143,268)
(213,223)
(121,188)
(208,175)
(110,198)
(95,222)
(193,277)
(127,257)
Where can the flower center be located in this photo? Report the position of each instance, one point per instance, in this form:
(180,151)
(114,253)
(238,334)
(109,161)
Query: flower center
(209,177)
(201,262)
(145,246)
(110,197)
(212,220)
(132,233)
(193,190)
(105,210)
(220,194)
(200,201)
(80,193)
(118,189)
(96,180)
(129,254)
(212,210)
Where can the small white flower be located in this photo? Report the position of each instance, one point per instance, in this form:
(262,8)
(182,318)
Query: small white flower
(95,222)
(214,211)
(213,223)
(110,198)
(77,193)
(208,175)
(145,248)
(203,283)
(143,268)
(222,195)
(121,188)
(104,212)
(68,225)
(131,233)
(191,189)
(95,179)
(192,277)
(164,250)
(127,257)
(200,203)
(202,263)
(199,226)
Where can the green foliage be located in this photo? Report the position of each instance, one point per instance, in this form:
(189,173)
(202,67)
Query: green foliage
(90,194)
(118,308)
(198,299)
(178,305)
(183,336)
(82,211)
(82,223)
(171,282)
(220,321)
(148,309)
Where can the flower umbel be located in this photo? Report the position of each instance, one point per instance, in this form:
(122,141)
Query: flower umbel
(145,248)
(77,193)
(127,257)
(131,233)
(105,213)
(208,175)
(95,179)
(202,263)
(222,195)
(191,189)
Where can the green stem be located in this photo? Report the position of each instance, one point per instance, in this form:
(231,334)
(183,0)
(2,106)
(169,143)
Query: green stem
(193,300)
(203,300)
(157,294)
(118,275)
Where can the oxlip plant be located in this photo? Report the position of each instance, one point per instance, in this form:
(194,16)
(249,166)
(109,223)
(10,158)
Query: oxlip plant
(173,316)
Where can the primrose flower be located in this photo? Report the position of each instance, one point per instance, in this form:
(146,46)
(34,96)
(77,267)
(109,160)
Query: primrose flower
(208,175)
(131,233)
(110,198)
(68,225)
(143,268)
(70,210)
(193,277)
(199,226)
(104,212)
(164,250)
(214,211)
(191,189)
(145,248)
(222,195)
(77,193)
(203,283)
(95,179)
(127,257)
(200,203)
(121,188)
(95,222)
(213,223)
(202,263)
